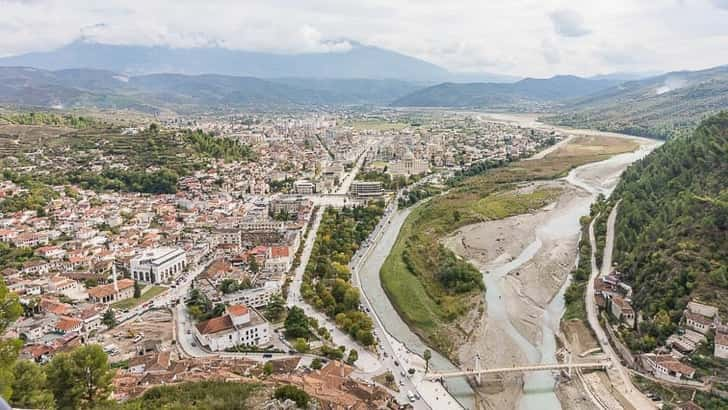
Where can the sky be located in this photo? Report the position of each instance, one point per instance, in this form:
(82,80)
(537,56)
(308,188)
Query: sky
(535,38)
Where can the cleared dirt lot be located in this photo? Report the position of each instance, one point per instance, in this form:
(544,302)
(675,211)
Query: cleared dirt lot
(155,325)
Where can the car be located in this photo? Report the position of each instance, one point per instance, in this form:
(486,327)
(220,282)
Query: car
(396,363)
(267,355)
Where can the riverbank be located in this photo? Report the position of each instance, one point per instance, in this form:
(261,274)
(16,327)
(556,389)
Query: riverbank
(526,261)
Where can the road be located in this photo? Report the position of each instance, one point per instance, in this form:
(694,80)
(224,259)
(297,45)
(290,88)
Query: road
(618,374)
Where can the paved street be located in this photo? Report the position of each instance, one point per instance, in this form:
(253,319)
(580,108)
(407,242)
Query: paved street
(618,374)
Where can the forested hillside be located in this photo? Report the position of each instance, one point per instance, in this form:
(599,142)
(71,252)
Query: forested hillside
(672,227)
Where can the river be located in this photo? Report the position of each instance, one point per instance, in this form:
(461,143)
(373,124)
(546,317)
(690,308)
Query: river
(538,389)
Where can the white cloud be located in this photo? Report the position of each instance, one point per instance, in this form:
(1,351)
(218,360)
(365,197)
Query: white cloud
(568,23)
(518,37)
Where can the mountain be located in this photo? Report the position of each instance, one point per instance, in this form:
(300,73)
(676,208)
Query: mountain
(93,88)
(662,107)
(524,93)
(672,230)
(360,61)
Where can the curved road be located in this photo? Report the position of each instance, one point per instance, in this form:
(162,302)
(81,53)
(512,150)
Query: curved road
(618,374)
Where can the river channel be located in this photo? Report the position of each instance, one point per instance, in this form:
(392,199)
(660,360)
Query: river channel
(538,389)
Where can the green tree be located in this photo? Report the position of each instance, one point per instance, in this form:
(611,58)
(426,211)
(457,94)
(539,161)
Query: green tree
(316,364)
(10,311)
(296,324)
(427,354)
(353,357)
(137,290)
(268,368)
(29,387)
(301,345)
(253,264)
(291,392)
(275,309)
(109,318)
(80,379)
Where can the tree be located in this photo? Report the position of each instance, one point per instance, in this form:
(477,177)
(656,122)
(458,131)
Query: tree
(29,387)
(275,309)
(268,368)
(296,323)
(109,318)
(291,392)
(389,378)
(137,290)
(301,345)
(10,310)
(316,364)
(427,354)
(80,379)
(253,264)
(353,357)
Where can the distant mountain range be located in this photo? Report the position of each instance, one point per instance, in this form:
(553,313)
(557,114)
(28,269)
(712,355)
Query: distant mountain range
(525,93)
(88,88)
(662,106)
(360,61)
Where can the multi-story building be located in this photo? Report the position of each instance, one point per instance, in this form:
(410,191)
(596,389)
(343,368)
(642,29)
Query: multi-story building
(304,187)
(240,326)
(158,265)
(365,189)
(255,297)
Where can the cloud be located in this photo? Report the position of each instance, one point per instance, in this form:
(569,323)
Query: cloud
(721,4)
(568,23)
(518,37)
(550,52)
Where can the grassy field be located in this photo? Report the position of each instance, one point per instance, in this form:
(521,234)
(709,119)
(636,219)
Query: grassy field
(133,302)
(409,274)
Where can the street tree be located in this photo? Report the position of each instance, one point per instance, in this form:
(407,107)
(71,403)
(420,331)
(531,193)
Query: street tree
(427,355)
(80,379)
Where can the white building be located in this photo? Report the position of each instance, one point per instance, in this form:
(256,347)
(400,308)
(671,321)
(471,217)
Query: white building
(366,188)
(256,297)
(158,265)
(721,345)
(240,326)
(304,187)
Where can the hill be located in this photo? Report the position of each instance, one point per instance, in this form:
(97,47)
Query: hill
(522,94)
(672,226)
(359,61)
(94,88)
(660,107)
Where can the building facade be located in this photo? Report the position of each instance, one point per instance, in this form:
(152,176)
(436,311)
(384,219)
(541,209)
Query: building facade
(158,265)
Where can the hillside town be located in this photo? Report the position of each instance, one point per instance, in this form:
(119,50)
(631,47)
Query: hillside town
(102,267)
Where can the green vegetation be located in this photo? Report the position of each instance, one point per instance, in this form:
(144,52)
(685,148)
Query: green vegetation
(152,161)
(10,311)
(412,196)
(290,392)
(326,278)
(388,183)
(431,287)
(146,296)
(377,124)
(672,227)
(574,295)
(673,396)
(201,308)
(275,309)
(209,395)
(14,257)
(231,285)
(80,379)
(227,149)
(41,118)
(637,108)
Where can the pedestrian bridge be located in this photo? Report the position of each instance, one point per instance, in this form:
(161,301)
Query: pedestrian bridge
(521,369)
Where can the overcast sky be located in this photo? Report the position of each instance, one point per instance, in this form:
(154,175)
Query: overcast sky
(517,37)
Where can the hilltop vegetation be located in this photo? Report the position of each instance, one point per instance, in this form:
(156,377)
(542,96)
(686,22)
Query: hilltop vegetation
(40,118)
(672,226)
(664,107)
(101,157)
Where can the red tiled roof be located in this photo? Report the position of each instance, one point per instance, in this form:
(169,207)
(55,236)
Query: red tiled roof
(67,323)
(279,252)
(237,310)
(214,325)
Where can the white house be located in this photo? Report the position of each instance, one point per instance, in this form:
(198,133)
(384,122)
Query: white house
(721,345)
(240,326)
